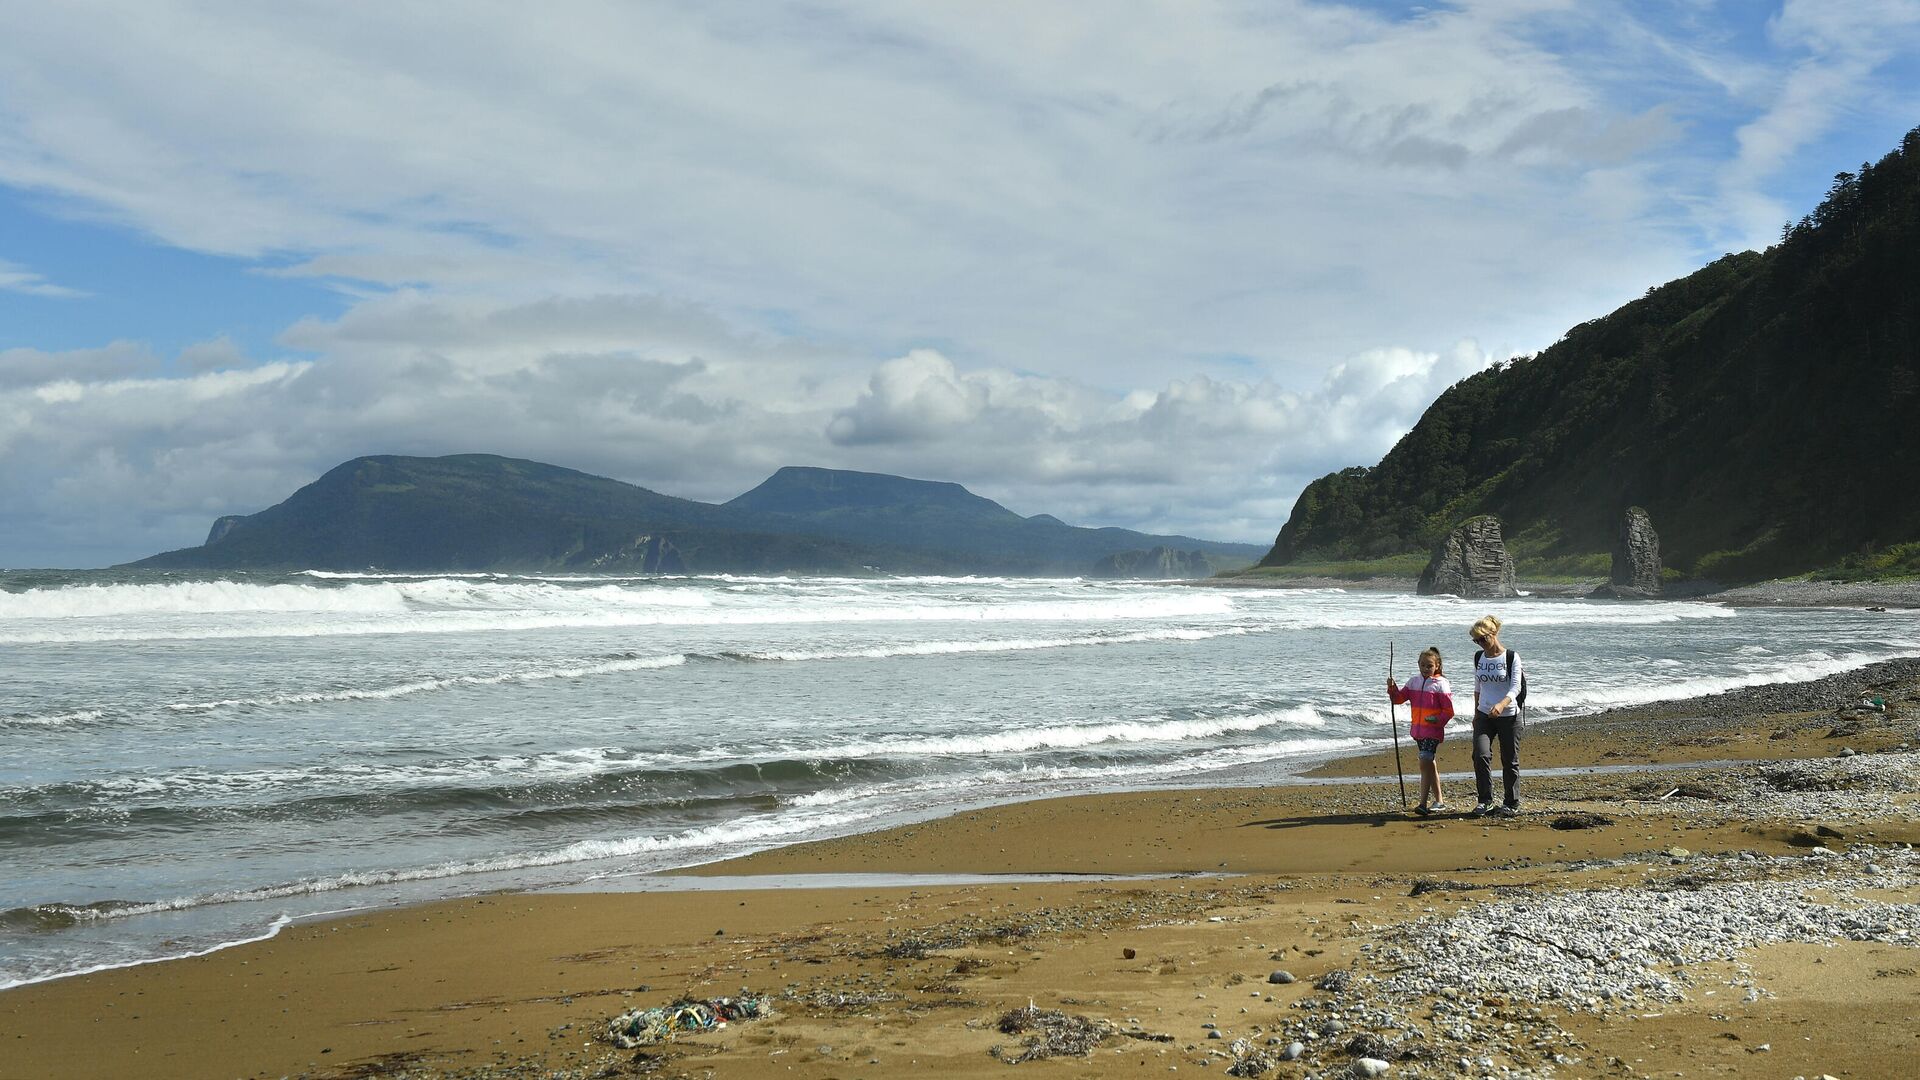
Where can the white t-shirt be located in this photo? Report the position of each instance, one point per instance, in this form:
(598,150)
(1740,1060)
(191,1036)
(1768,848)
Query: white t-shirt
(1494,681)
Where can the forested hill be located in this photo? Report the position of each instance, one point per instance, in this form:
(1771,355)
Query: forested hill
(1759,409)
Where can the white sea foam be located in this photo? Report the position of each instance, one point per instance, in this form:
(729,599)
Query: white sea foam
(558,766)
(54,719)
(1073,736)
(1090,776)
(944,648)
(421,686)
(272,930)
(180,611)
(748,833)
(1590,698)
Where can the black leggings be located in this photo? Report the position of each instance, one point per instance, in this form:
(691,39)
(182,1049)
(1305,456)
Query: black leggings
(1506,728)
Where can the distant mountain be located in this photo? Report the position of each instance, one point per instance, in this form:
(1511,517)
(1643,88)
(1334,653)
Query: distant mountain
(483,512)
(874,508)
(1758,409)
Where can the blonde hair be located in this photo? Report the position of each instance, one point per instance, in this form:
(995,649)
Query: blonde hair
(1434,652)
(1488,625)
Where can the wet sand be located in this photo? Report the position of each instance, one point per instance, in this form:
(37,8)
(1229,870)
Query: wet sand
(910,978)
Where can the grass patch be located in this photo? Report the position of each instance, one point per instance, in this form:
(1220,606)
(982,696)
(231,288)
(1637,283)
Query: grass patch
(1893,561)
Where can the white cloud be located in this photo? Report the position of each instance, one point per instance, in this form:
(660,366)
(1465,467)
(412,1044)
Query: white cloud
(112,454)
(18,279)
(1837,48)
(1091,193)
(1156,267)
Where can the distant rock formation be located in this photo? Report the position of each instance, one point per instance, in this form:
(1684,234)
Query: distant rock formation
(1158,563)
(1471,562)
(649,554)
(222,526)
(1636,559)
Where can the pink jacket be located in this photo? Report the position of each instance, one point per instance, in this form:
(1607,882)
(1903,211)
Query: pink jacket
(1432,701)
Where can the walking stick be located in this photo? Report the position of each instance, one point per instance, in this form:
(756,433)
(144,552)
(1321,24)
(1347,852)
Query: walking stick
(1393,717)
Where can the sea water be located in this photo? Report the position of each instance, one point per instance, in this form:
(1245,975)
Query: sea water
(192,760)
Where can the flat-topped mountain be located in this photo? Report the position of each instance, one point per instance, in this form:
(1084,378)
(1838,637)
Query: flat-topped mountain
(874,508)
(484,512)
(1756,409)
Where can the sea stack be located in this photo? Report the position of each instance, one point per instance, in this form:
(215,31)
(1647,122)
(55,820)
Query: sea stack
(1636,559)
(1160,563)
(1471,562)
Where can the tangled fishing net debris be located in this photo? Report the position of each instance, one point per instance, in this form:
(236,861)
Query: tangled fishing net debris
(647,1027)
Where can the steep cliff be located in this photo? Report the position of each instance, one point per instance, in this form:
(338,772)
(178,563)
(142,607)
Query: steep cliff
(1752,408)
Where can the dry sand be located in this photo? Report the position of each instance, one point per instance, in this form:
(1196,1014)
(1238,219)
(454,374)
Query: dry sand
(1312,879)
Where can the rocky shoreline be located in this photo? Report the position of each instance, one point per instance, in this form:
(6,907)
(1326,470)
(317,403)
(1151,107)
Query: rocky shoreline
(1781,593)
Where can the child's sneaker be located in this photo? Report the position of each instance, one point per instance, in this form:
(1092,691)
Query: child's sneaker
(1483,809)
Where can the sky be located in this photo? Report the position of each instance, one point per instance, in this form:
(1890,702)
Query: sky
(1147,264)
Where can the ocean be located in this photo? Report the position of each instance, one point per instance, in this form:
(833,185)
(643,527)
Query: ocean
(188,761)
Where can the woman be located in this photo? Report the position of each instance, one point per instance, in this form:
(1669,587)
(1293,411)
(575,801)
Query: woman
(1500,691)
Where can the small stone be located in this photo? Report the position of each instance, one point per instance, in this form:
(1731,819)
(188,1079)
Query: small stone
(1293,1051)
(1215,1034)
(1845,751)
(1370,1067)
(1128,954)
(1281,978)
(1674,852)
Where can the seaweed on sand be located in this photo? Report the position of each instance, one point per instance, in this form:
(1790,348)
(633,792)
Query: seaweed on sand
(1050,1033)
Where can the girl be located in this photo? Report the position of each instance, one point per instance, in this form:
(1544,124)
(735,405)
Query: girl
(1500,692)
(1432,702)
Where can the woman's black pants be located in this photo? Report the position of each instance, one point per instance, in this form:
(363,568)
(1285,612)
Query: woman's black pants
(1506,728)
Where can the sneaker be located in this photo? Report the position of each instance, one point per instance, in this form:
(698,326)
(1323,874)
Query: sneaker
(1506,811)
(1483,809)
(1439,808)
(1423,809)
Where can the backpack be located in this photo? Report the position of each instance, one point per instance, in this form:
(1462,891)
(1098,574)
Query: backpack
(1520,697)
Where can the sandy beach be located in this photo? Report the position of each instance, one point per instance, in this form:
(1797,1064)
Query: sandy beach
(1733,894)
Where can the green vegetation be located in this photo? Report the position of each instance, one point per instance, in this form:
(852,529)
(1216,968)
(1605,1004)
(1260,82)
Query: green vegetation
(1756,408)
(1896,561)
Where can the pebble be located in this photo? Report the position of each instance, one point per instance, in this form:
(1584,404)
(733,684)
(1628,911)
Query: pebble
(1367,1066)
(1281,978)
(1293,1051)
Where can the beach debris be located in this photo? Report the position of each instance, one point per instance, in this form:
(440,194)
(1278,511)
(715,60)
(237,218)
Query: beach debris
(1249,1059)
(1366,1045)
(648,1027)
(1580,819)
(1334,981)
(1423,886)
(1050,1033)
(1281,978)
